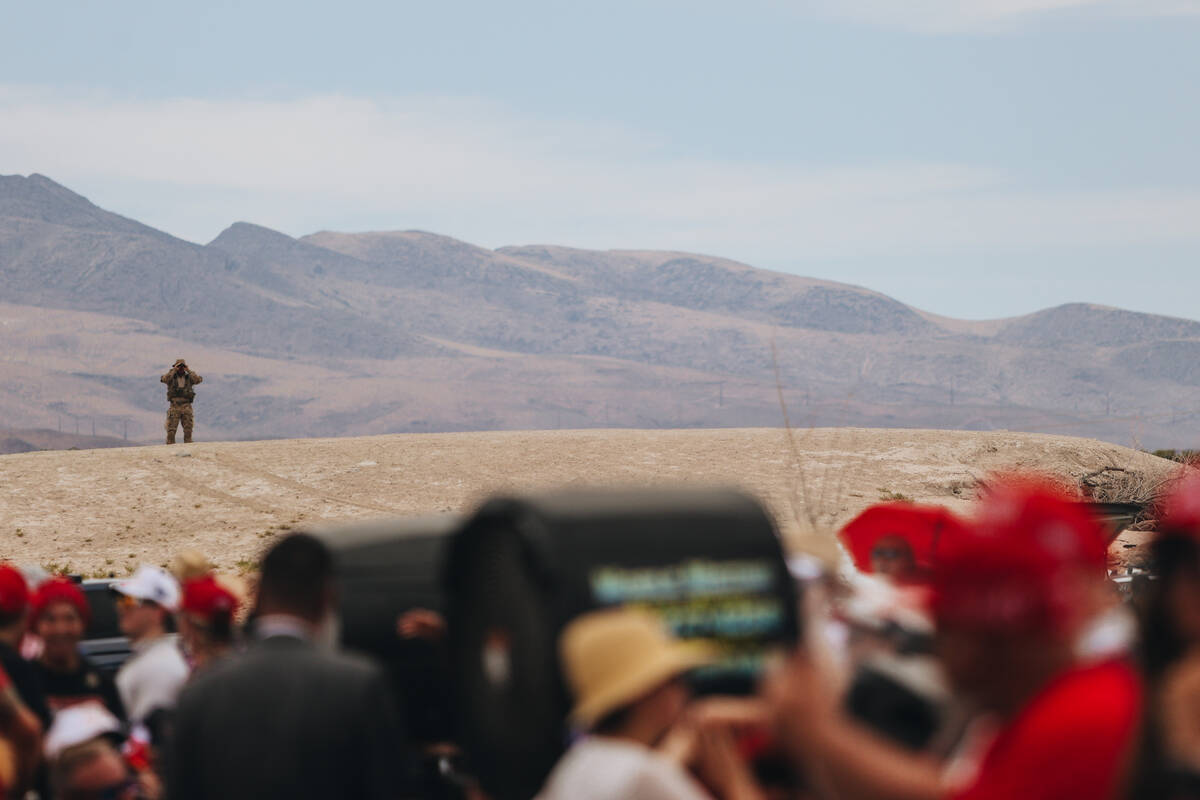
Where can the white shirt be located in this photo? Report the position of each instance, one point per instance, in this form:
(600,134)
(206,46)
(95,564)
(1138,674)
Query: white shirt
(602,768)
(152,677)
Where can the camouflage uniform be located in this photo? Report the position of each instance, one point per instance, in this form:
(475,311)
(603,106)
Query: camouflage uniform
(180,395)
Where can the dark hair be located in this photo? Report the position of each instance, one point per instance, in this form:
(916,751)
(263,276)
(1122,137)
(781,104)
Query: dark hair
(296,575)
(218,629)
(613,722)
(1174,558)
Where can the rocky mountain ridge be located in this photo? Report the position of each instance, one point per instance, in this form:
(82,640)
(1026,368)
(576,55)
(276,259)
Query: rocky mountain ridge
(341,333)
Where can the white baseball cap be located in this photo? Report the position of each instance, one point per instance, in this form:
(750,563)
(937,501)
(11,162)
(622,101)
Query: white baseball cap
(78,724)
(151,583)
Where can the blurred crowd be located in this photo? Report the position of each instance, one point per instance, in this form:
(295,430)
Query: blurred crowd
(981,656)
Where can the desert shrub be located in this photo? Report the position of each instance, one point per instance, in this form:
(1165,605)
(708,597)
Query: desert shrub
(1182,456)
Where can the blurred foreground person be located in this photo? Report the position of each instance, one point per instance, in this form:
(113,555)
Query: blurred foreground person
(287,718)
(625,673)
(1009,599)
(14,612)
(898,688)
(1171,648)
(206,620)
(20,741)
(84,750)
(59,615)
(151,679)
(95,770)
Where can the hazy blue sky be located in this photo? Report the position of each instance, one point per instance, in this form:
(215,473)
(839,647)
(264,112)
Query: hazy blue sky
(976,158)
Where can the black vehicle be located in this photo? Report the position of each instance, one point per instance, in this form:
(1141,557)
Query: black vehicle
(103,643)
(385,569)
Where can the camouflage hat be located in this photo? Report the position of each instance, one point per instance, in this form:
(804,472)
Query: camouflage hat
(179,361)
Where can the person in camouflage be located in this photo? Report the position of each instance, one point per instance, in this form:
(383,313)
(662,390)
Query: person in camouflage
(180,394)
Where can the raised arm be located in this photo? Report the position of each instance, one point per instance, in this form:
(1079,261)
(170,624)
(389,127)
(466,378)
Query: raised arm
(849,759)
(195,377)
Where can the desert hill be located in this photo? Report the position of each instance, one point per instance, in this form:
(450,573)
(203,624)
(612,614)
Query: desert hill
(30,440)
(384,332)
(104,511)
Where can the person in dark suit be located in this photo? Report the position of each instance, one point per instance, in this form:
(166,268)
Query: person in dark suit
(289,718)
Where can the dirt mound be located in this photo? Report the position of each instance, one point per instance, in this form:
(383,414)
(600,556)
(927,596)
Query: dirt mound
(102,511)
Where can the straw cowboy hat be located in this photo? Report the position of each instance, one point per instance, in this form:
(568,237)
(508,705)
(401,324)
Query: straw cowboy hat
(615,657)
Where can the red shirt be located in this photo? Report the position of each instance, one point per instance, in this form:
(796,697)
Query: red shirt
(1073,741)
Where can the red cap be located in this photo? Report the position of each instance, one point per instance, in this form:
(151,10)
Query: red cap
(1013,571)
(206,597)
(1180,513)
(14,591)
(59,590)
(921,527)
(1046,518)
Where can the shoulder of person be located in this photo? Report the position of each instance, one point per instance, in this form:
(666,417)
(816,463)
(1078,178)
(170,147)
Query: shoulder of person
(351,665)
(208,680)
(1181,683)
(602,767)
(90,671)
(658,777)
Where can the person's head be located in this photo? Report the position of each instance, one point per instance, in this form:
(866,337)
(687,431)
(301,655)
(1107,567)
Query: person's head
(892,558)
(1011,594)
(625,672)
(206,617)
(146,602)
(93,770)
(297,579)
(898,541)
(189,565)
(14,603)
(59,615)
(180,364)
(1171,618)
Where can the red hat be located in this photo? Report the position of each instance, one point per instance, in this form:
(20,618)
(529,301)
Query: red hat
(59,590)
(1047,519)
(1014,570)
(1180,513)
(921,527)
(206,597)
(14,591)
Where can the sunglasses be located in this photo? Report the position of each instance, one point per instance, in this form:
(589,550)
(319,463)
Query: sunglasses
(889,552)
(127,602)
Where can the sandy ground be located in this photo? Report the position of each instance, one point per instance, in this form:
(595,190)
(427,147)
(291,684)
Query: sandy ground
(105,511)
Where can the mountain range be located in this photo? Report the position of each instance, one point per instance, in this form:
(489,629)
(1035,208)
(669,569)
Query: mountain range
(336,334)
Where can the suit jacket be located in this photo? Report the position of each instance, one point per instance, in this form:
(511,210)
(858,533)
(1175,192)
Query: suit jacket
(285,720)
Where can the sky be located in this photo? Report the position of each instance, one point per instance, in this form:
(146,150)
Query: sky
(974,158)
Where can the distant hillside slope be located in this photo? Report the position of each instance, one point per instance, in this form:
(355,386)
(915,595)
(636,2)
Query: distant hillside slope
(106,511)
(349,333)
(57,250)
(29,440)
